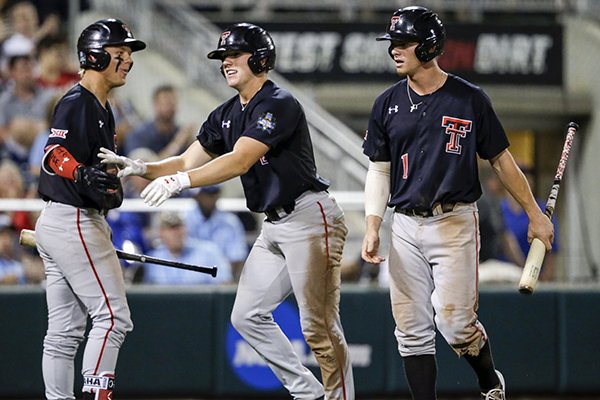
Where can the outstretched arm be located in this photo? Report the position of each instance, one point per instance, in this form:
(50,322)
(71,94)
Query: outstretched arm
(246,152)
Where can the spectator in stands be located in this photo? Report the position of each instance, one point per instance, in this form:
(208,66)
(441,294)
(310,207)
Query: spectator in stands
(126,117)
(208,222)
(500,258)
(515,220)
(36,153)
(24,22)
(12,187)
(130,229)
(11,269)
(55,69)
(177,246)
(162,134)
(23,108)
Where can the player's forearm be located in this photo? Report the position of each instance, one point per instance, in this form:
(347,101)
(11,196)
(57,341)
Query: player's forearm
(193,157)
(516,183)
(377,188)
(219,170)
(373,223)
(168,166)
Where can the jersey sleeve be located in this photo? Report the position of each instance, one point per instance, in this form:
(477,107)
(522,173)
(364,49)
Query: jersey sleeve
(273,121)
(491,138)
(210,137)
(68,129)
(375,144)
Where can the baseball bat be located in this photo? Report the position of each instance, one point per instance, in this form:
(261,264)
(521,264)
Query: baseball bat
(537,251)
(27,238)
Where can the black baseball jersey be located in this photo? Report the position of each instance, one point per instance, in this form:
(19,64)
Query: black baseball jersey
(275,118)
(433,149)
(81,125)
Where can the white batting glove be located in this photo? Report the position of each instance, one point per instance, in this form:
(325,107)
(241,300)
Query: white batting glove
(165,187)
(126,166)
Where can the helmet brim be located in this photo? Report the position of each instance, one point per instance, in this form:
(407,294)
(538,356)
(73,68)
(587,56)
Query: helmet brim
(383,37)
(216,54)
(398,37)
(133,44)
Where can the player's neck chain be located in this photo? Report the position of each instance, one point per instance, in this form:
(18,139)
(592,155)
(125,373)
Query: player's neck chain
(413,105)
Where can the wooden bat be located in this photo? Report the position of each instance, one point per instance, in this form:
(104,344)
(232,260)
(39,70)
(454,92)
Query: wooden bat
(537,251)
(27,238)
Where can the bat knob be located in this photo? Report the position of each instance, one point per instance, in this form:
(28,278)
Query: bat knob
(526,290)
(573,125)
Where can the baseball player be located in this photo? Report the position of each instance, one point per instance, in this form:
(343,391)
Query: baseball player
(423,138)
(82,269)
(261,134)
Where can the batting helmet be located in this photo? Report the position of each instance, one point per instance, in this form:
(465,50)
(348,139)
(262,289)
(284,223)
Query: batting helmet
(417,24)
(100,34)
(247,38)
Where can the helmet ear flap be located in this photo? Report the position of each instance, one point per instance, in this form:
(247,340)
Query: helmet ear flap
(94,59)
(259,62)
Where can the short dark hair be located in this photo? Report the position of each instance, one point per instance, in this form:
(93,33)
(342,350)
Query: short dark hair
(49,41)
(162,89)
(12,60)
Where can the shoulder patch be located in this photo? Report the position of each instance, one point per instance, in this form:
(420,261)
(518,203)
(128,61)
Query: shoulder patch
(266,122)
(59,133)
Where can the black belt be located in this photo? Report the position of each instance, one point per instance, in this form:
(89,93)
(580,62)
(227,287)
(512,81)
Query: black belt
(277,213)
(438,209)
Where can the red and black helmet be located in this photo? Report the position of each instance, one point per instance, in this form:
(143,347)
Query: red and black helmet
(417,24)
(247,38)
(100,34)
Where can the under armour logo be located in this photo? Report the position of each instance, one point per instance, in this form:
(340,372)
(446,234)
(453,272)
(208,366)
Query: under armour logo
(100,123)
(394,109)
(226,124)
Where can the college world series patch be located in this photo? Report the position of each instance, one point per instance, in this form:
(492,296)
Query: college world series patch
(266,122)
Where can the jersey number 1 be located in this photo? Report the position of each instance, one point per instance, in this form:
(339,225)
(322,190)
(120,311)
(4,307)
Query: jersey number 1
(404,159)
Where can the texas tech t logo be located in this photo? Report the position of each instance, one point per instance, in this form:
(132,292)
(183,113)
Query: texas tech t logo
(456,128)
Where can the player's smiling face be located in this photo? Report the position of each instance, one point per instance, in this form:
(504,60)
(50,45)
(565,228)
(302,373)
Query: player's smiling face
(405,59)
(120,64)
(236,69)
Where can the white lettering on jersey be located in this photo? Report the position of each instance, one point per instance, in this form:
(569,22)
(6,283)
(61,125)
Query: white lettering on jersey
(457,128)
(100,123)
(59,133)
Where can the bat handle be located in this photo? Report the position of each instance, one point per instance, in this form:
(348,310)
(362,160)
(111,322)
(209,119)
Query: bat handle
(532,268)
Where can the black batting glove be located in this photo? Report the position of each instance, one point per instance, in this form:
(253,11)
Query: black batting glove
(93,178)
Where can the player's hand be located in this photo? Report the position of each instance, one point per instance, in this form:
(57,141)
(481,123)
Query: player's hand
(92,177)
(126,166)
(370,247)
(164,187)
(541,227)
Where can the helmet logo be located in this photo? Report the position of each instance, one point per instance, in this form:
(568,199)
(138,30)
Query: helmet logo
(393,22)
(126,28)
(224,37)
